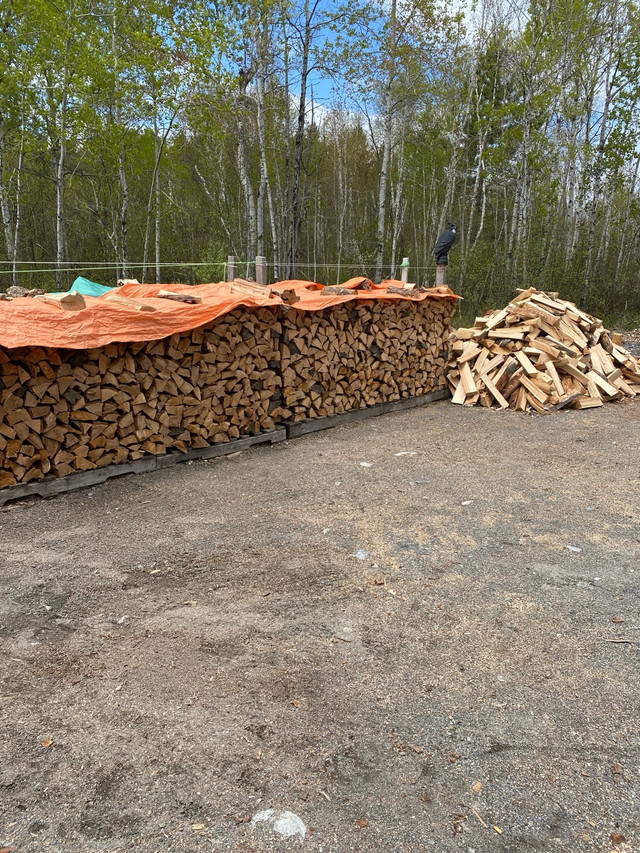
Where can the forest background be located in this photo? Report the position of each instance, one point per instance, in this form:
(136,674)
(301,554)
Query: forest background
(153,139)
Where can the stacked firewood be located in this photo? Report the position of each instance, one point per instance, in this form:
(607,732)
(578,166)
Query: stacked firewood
(15,292)
(540,353)
(360,354)
(63,411)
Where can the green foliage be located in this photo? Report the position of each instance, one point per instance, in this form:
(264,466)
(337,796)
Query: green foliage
(501,128)
(215,258)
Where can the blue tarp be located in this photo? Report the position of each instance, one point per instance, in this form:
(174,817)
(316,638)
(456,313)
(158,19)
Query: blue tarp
(89,288)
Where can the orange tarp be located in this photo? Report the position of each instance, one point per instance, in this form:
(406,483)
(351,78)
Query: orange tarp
(31,322)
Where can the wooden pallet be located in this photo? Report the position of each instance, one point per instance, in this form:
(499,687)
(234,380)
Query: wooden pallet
(85,479)
(294,430)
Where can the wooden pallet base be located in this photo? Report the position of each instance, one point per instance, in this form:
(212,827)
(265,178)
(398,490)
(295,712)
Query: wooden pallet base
(84,479)
(294,430)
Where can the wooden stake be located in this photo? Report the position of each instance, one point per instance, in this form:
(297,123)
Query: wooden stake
(261,269)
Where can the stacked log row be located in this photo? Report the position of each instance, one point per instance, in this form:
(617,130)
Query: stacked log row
(360,354)
(63,411)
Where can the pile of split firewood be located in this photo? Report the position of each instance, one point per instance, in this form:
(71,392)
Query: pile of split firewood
(540,353)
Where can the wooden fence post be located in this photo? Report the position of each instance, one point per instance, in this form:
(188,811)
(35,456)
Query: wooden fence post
(404,275)
(261,269)
(441,274)
(232,267)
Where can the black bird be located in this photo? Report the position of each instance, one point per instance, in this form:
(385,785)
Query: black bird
(444,244)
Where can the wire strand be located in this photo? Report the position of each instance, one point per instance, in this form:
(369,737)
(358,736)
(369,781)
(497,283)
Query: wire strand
(111,266)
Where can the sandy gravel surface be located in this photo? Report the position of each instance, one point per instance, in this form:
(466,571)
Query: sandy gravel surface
(631,341)
(436,651)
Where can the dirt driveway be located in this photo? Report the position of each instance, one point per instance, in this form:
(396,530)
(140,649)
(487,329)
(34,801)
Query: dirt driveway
(437,650)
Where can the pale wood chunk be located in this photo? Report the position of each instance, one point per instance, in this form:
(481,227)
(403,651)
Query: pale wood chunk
(128,302)
(242,285)
(553,373)
(530,310)
(587,402)
(470,351)
(602,384)
(529,368)
(187,298)
(67,301)
(494,392)
(536,392)
(467,380)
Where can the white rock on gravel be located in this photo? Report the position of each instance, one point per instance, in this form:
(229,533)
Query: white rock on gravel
(287,824)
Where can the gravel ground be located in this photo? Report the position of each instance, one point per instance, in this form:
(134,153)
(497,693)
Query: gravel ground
(435,651)
(631,341)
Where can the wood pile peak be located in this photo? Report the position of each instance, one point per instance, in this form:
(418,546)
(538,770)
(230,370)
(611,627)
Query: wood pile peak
(541,353)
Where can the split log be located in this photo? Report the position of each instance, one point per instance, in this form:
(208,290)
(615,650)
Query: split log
(187,298)
(72,301)
(136,304)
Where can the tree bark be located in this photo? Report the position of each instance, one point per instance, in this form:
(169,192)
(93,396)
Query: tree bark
(157,199)
(264,176)
(598,171)
(124,216)
(60,166)
(624,230)
(293,247)
(5,209)
(17,230)
(386,145)
(156,167)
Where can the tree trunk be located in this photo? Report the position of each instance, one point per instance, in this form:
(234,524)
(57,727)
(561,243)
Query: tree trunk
(17,230)
(156,167)
(247,189)
(284,191)
(157,202)
(293,248)
(122,250)
(627,218)
(60,211)
(266,183)
(341,199)
(5,209)
(598,172)
(398,206)
(124,216)
(60,166)
(386,146)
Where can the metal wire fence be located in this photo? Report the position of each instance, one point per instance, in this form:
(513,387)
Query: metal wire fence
(47,276)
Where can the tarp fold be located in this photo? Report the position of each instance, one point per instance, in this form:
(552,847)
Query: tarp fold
(31,322)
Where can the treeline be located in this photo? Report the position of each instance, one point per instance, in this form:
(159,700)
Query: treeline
(155,138)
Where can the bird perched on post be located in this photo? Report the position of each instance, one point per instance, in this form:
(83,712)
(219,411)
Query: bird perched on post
(444,244)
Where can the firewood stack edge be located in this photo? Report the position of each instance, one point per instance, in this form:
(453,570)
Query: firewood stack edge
(540,353)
